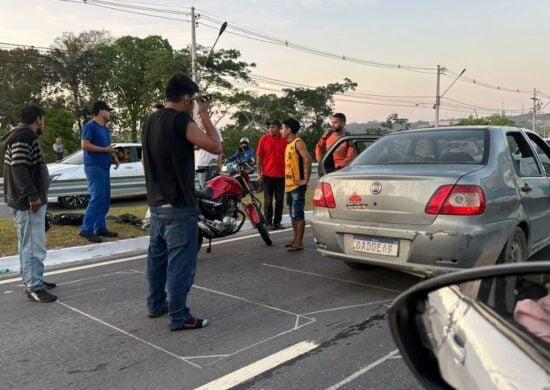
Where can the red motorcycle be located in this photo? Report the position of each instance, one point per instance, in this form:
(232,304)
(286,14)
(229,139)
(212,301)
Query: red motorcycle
(219,204)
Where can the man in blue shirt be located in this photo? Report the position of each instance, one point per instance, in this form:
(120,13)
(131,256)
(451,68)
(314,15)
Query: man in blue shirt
(98,156)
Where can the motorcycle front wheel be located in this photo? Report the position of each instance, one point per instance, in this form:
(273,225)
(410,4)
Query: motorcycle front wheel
(262,227)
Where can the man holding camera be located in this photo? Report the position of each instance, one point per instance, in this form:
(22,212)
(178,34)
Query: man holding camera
(169,138)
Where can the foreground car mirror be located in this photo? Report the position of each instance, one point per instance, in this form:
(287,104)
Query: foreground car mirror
(483,328)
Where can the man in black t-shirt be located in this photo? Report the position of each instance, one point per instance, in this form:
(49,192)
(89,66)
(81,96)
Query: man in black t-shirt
(169,137)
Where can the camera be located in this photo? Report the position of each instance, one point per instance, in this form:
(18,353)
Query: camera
(205,98)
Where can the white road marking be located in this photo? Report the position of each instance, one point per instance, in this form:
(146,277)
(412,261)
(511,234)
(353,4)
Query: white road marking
(331,278)
(346,307)
(127,334)
(252,370)
(363,370)
(81,267)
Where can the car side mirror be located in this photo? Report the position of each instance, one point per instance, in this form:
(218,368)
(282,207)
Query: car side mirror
(487,327)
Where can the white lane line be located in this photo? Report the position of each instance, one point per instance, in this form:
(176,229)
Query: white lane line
(332,278)
(252,370)
(88,266)
(128,334)
(248,301)
(346,307)
(363,370)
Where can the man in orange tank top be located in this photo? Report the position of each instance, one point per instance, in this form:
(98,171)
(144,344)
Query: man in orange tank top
(344,154)
(297,173)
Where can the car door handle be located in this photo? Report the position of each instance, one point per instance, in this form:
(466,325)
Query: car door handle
(456,346)
(526,188)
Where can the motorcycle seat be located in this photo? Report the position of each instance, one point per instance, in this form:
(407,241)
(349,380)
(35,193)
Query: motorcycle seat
(204,193)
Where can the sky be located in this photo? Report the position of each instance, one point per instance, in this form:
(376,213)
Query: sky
(501,43)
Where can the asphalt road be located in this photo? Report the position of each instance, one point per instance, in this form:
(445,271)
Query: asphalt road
(278,321)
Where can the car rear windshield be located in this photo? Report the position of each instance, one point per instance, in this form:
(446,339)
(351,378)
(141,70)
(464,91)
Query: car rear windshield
(428,147)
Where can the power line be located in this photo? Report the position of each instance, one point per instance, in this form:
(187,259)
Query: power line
(133,7)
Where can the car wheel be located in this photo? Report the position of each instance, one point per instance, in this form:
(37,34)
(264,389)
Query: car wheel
(74,202)
(363,266)
(515,250)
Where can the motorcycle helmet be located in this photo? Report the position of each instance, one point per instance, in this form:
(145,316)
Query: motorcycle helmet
(244,140)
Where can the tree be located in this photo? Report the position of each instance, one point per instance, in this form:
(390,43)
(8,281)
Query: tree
(310,107)
(394,122)
(59,123)
(21,83)
(139,71)
(74,67)
(495,119)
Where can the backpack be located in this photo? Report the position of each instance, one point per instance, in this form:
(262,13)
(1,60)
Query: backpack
(74,219)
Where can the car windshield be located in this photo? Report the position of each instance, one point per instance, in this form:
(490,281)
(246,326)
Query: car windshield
(428,147)
(77,158)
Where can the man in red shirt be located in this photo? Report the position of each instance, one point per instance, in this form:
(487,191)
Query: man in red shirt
(271,171)
(344,154)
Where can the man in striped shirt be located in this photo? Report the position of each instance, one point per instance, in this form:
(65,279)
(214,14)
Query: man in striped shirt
(26,185)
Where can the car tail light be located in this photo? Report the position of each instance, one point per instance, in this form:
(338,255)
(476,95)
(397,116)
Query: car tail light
(323,196)
(457,200)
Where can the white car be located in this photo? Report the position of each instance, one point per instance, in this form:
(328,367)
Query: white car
(68,180)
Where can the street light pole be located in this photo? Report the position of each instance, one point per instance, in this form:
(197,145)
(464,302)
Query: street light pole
(193,47)
(535,99)
(437,97)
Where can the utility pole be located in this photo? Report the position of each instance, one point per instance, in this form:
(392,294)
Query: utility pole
(535,104)
(437,97)
(193,48)
(441,69)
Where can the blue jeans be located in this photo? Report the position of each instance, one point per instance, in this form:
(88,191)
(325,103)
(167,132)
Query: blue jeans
(99,185)
(31,235)
(172,260)
(296,201)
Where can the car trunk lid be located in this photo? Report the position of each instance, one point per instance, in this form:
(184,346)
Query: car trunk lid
(390,193)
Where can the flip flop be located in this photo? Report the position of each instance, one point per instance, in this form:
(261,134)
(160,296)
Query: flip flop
(295,248)
(289,244)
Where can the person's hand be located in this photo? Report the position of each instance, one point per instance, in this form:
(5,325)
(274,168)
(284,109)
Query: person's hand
(203,107)
(109,149)
(300,182)
(35,205)
(260,178)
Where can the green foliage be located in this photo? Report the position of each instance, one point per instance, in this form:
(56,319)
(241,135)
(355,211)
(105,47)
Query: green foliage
(139,71)
(22,79)
(76,75)
(394,122)
(59,123)
(310,107)
(495,119)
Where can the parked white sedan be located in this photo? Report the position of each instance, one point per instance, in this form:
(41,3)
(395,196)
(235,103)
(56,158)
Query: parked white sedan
(71,170)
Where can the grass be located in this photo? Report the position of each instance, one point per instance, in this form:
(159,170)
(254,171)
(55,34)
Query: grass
(67,236)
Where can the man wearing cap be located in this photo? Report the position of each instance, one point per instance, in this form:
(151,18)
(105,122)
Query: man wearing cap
(297,173)
(98,156)
(271,172)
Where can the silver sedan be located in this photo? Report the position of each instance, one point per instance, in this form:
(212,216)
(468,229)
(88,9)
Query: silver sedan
(436,200)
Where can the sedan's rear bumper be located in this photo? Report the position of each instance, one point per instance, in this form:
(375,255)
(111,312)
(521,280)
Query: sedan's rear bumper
(446,245)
